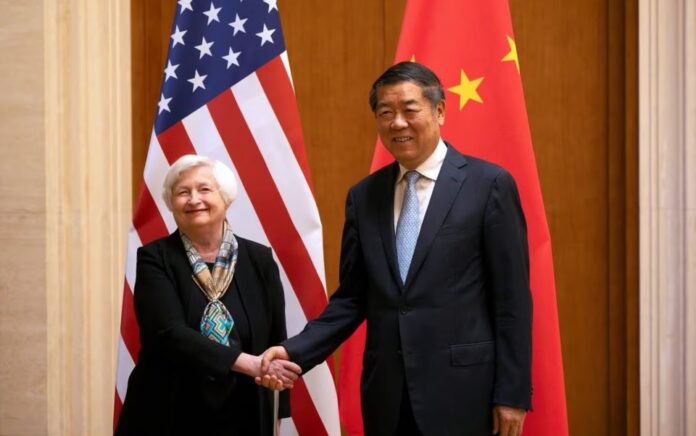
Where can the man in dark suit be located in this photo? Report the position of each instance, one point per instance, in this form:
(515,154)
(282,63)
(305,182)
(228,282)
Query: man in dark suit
(434,256)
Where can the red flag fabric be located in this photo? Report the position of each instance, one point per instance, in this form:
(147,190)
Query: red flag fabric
(470,45)
(227,94)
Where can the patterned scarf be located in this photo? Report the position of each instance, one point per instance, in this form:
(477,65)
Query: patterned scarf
(216,323)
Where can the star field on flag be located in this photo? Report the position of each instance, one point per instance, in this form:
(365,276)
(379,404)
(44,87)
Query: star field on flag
(201,42)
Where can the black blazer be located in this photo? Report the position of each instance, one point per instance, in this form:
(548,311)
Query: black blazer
(458,332)
(182,382)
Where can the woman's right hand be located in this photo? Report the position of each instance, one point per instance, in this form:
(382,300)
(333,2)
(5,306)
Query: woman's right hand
(277,369)
(278,374)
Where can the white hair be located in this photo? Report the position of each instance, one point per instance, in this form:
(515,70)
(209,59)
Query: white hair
(223,175)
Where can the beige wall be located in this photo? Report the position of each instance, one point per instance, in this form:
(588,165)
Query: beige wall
(65,186)
(668,217)
(23,362)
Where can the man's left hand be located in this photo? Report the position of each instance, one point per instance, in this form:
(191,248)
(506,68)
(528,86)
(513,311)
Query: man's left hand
(508,421)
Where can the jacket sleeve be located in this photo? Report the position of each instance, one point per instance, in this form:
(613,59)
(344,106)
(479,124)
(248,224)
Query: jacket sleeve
(162,321)
(346,308)
(507,262)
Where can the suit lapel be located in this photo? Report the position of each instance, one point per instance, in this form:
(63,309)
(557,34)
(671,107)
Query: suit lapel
(193,299)
(385,207)
(449,181)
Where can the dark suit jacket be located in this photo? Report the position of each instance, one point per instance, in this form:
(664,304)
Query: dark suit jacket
(458,332)
(183,383)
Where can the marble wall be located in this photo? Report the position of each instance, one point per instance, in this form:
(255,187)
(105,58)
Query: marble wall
(23,355)
(668,217)
(65,174)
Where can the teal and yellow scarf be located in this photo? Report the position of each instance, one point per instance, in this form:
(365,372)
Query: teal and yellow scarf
(216,323)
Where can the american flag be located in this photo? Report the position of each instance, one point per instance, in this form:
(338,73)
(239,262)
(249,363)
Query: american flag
(227,94)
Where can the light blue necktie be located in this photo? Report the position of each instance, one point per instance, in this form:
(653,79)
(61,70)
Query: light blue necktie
(407,227)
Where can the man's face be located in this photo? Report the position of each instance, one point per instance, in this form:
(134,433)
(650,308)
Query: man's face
(407,123)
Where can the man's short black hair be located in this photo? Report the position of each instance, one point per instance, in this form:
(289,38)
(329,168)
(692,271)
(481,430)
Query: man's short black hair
(410,72)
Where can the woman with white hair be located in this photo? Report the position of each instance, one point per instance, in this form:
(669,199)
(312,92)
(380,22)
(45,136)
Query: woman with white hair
(208,302)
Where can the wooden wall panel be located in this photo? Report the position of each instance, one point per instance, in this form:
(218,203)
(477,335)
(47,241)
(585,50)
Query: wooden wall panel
(151,23)
(564,75)
(578,68)
(336,51)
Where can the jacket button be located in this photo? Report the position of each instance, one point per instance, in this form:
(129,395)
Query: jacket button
(403,310)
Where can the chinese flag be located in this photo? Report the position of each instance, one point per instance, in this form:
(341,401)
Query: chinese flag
(470,45)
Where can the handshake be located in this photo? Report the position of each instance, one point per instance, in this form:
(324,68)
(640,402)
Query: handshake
(275,371)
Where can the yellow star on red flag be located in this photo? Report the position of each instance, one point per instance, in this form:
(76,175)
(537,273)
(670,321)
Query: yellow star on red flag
(512,54)
(467,89)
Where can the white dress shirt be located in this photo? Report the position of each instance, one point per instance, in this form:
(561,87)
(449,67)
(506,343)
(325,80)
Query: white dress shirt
(428,170)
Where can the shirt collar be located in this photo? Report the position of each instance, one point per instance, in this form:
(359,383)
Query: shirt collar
(430,168)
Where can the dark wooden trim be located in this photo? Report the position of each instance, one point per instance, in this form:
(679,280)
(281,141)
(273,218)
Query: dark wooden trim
(632,374)
(616,166)
(623,217)
(151,22)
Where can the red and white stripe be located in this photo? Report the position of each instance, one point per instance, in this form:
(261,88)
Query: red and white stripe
(253,128)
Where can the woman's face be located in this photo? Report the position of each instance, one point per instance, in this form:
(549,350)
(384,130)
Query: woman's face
(197,201)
